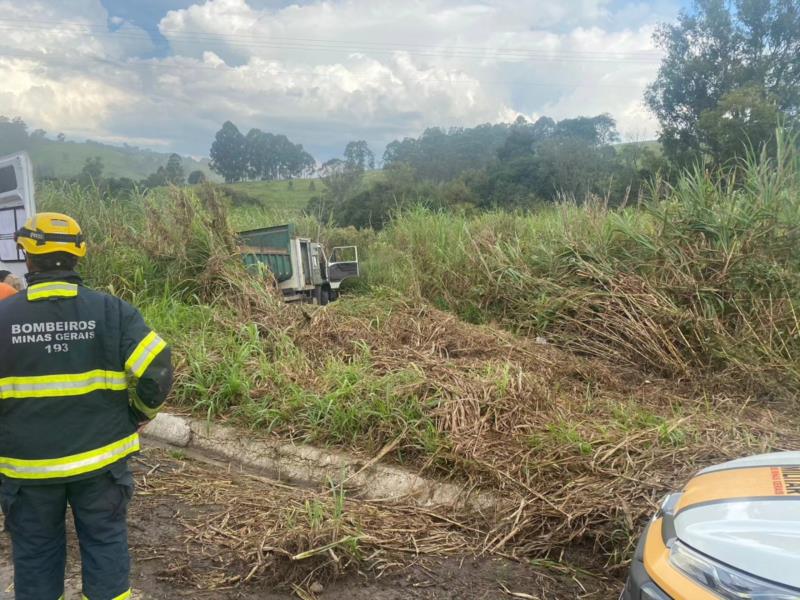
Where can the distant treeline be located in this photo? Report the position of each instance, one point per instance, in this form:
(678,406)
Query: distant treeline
(519,165)
(172,173)
(257,155)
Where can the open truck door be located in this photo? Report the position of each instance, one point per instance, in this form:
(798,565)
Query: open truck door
(16,205)
(342,265)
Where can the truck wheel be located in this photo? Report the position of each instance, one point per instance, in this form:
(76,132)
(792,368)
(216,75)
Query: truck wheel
(324,297)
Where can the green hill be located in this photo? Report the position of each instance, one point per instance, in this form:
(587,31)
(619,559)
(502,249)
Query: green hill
(52,158)
(652,145)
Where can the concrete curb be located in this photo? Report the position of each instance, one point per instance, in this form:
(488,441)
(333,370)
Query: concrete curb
(315,466)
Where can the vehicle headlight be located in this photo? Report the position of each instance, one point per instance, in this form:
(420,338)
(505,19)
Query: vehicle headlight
(725,581)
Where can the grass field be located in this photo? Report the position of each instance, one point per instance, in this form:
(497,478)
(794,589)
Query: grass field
(652,145)
(289,198)
(286,196)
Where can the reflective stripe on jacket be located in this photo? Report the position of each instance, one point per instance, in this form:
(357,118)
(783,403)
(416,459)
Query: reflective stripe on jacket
(67,357)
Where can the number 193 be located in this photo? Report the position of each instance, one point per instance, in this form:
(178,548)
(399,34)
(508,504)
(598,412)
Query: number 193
(51,348)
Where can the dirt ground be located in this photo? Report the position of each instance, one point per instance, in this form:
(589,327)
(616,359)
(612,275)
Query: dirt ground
(161,554)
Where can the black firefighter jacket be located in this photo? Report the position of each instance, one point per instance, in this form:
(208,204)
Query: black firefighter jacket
(67,357)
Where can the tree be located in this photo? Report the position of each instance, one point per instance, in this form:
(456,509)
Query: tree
(340,183)
(440,155)
(13,135)
(268,156)
(173,172)
(592,131)
(523,136)
(717,48)
(743,118)
(92,172)
(261,163)
(518,165)
(541,161)
(196,177)
(228,156)
(569,166)
(157,179)
(61,137)
(359,156)
(375,204)
(117,187)
(292,159)
(339,180)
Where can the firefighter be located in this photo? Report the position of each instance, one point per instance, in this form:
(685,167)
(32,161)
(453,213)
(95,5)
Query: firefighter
(67,424)
(9,278)
(6,290)
(7,287)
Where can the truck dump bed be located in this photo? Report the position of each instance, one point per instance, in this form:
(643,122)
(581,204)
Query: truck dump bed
(269,246)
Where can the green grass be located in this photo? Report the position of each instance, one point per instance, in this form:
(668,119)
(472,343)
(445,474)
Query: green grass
(290,197)
(350,405)
(278,202)
(652,145)
(567,434)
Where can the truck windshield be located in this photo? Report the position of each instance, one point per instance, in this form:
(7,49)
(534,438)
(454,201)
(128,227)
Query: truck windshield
(347,254)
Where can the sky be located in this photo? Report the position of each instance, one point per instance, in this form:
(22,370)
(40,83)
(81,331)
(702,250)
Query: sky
(165,74)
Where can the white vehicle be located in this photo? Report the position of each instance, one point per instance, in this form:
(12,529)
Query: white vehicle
(16,205)
(733,533)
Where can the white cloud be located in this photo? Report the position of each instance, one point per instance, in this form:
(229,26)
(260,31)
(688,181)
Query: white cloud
(63,103)
(327,71)
(58,73)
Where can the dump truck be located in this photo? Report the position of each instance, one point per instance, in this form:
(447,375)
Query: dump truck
(300,266)
(16,205)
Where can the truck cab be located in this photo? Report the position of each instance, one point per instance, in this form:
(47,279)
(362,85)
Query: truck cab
(299,265)
(16,206)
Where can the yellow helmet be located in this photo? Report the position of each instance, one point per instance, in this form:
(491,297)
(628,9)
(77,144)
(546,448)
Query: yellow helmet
(48,232)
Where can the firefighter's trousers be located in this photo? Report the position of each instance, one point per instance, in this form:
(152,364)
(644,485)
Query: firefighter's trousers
(35,519)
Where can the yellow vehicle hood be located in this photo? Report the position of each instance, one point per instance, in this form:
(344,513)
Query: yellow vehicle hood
(746,514)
